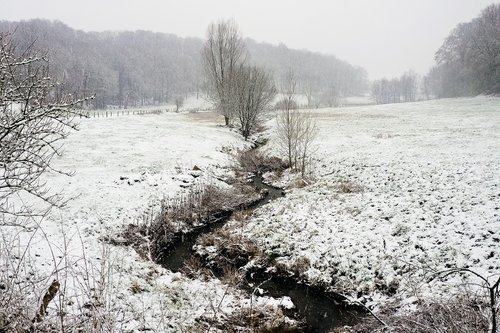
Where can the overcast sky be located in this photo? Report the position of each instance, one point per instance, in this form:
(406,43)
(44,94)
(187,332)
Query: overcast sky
(386,37)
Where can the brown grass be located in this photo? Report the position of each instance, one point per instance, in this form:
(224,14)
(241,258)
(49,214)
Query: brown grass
(206,116)
(194,268)
(261,319)
(300,266)
(349,187)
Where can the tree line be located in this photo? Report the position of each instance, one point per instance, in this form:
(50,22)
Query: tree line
(397,90)
(243,92)
(126,69)
(468,61)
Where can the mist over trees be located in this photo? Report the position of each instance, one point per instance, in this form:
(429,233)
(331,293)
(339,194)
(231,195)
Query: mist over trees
(127,69)
(120,68)
(468,62)
(323,79)
(397,90)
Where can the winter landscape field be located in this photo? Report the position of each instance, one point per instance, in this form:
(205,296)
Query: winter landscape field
(397,193)
(250,167)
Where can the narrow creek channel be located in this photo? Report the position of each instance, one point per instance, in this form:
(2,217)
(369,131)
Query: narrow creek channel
(321,311)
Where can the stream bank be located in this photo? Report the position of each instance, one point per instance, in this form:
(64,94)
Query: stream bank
(318,309)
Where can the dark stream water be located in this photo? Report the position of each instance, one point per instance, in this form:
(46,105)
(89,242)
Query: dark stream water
(320,310)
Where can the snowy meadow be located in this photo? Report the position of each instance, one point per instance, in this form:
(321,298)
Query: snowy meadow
(397,193)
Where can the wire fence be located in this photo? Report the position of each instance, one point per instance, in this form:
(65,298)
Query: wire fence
(119,113)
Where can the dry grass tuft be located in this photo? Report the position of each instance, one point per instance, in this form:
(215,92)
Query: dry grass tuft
(300,266)
(193,267)
(261,319)
(349,187)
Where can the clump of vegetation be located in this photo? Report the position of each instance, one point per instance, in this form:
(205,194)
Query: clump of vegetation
(255,161)
(347,186)
(200,205)
(233,250)
(193,267)
(260,319)
(300,266)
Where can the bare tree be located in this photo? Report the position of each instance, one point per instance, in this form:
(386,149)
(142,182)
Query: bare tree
(287,120)
(224,52)
(179,102)
(254,92)
(310,89)
(307,133)
(296,130)
(408,82)
(32,125)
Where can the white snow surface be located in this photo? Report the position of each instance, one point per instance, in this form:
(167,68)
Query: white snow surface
(429,175)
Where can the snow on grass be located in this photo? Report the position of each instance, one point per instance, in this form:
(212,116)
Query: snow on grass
(400,189)
(123,167)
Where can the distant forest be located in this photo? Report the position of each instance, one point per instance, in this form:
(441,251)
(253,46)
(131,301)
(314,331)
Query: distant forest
(468,62)
(126,69)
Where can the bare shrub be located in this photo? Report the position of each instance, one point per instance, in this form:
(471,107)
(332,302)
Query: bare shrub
(298,183)
(201,205)
(296,130)
(73,297)
(179,102)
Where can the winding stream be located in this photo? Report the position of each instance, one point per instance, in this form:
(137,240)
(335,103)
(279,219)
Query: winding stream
(321,311)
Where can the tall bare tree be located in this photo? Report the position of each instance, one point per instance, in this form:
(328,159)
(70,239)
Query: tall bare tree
(224,52)
(287,120)
(32,125)
(254,92)
(296,130)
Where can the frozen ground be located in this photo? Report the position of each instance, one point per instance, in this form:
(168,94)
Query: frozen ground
(400,190)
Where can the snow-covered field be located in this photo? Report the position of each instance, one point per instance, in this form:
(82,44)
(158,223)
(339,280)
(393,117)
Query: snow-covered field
(399,190)
(123,167)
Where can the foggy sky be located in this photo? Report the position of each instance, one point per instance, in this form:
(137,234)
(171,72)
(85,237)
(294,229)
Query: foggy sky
(387,37)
